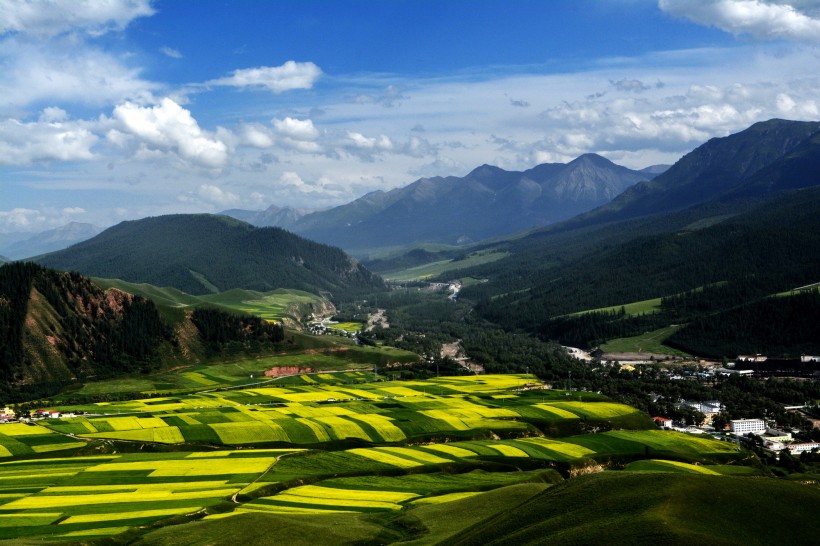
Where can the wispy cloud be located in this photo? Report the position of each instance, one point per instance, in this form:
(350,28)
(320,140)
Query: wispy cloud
(170,52)
(47,18)
(278,79)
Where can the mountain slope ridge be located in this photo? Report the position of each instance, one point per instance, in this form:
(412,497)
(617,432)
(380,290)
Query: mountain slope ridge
(199,254)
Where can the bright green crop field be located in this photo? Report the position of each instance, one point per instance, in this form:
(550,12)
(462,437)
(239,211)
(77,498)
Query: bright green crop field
(321,413)
(374,461)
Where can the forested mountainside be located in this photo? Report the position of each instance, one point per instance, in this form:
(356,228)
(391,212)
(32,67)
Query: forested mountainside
(487,202)
(60,328)
(202,254)
(764,159)
(750,238)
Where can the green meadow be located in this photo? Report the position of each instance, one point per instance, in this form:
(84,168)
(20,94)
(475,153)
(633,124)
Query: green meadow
(275,305)
(648,342)
(434,269)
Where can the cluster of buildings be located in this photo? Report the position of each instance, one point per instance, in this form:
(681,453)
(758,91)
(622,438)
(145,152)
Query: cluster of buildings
(774,440)
(9,415)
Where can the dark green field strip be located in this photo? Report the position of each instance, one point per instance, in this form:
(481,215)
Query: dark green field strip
(273,501)
(113,477)
(44,439)
(536,415)
(478,448)
(200,434)
(74,426)
(101,424)
(174,421)
(438,483)
(15,446)
(16,489)
(533,450)
(608,445)
(416,424)
(369,430)
(59,462)
(299,433)
(322,463)
(155,504)
(211,417)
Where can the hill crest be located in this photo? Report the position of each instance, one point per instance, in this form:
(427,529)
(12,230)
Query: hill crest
(203,253)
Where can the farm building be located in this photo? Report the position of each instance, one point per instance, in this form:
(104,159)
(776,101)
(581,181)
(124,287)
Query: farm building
(663,422)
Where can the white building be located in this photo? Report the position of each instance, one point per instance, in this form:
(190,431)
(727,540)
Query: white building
(745,426)
(797,449)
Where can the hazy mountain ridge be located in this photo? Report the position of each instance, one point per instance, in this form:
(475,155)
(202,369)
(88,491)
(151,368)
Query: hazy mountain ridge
(24,245)
(487,202)
(205,253)
(273,216)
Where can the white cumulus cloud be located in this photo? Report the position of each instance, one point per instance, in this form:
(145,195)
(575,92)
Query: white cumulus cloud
(217,196)
(167,127)
(298,129)
(22,143)
(278,79)
(21,219)
(759,19)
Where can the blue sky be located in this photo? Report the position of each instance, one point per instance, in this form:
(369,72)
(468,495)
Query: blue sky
(123,109)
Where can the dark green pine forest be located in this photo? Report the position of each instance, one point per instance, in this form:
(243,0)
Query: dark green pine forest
(201,254)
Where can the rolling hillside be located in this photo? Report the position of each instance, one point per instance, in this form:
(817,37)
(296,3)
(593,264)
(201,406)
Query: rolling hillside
(653,508)
(202,254)
(58,329)
(486,203)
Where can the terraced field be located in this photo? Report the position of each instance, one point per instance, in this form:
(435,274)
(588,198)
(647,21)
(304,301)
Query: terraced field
(420,450)
(90,497)
(107,495)
(318,414)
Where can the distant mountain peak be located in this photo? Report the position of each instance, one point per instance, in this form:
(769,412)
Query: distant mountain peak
(724,167)
(488,202)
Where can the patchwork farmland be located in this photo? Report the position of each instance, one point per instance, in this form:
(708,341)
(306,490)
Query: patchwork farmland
(324,415)
(142,468)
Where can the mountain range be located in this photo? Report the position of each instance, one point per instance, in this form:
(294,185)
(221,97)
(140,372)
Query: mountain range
(273,216)
(764,159)
(488,202)
(17,246)
(736,220)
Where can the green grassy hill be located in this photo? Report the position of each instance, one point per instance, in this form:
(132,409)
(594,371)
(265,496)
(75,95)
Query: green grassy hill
(282,304)
(658,508)
(202,254)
